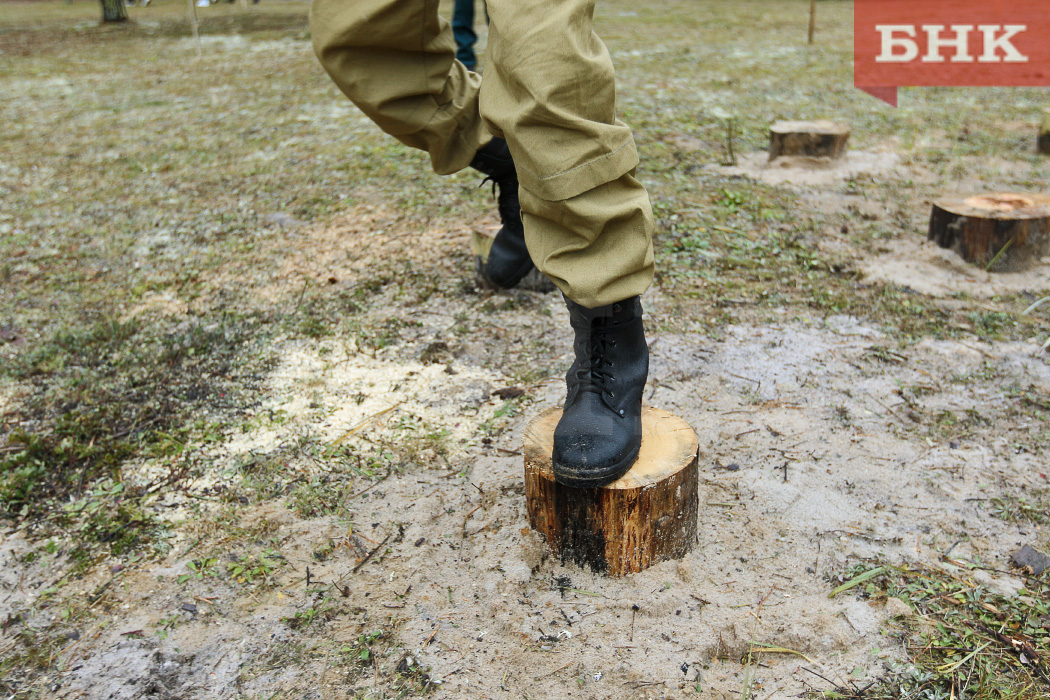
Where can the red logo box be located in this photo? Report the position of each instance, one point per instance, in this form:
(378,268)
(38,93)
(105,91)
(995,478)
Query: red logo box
(949,43)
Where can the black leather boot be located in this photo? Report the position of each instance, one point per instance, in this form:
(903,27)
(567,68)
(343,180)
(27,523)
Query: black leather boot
(508,260)
(600,431)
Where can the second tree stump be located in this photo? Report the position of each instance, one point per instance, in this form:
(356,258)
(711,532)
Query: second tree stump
(816,139)
(647,516)
(1004,232)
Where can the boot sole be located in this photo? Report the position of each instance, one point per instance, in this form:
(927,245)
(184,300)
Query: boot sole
(592,479)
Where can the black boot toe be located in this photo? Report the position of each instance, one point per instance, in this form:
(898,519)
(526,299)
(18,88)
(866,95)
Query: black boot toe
(593,446)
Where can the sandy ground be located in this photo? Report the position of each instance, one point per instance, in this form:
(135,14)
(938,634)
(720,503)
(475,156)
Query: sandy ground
(817,449)
(820,447)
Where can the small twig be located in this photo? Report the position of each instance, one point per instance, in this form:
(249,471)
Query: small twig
(894,413)
(560,668)
(357,428)
(431,637)
(746,379)
(368,557)
(998,255)
(370,487)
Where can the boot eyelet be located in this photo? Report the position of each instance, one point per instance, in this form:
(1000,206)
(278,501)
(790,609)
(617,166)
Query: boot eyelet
(621,413)
(612,395)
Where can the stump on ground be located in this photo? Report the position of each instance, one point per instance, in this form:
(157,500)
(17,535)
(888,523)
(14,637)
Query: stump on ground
(1044,134)
(647,516)
(482,235)
(1003,232)
(816,139)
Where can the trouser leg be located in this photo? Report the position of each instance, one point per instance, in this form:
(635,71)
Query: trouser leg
(549,89)
(597,246)
(463,31)
(395,59)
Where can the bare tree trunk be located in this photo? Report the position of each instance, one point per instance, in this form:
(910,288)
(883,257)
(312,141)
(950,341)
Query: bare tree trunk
(114,11)
(196,30)
(812,19)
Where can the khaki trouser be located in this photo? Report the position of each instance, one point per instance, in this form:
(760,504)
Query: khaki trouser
(548,89)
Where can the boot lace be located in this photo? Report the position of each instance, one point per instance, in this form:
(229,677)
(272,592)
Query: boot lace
(597,375)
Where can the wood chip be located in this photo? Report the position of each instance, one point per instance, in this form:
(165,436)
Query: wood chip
(1031,560)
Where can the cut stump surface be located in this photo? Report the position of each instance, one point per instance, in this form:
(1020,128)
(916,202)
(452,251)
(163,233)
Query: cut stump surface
(1002,232)
(647,516)
(816,139)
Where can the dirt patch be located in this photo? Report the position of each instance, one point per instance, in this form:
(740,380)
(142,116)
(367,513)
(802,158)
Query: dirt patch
(800,171)
(811,459)
(922,265)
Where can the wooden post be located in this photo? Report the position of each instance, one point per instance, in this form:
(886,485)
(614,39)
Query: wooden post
(815,139)
(1044,134)
(1004,232)
(812,19)
(647,516)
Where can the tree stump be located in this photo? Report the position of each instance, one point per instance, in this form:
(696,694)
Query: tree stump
(1044,134)
(481,239)
(647,516)
(816,139)
(1002,232)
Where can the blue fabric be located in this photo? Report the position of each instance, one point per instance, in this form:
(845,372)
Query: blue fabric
(463,30)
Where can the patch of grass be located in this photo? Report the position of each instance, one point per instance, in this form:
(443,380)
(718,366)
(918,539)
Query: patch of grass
(1017,509)
(319,611)
(281,654)
(200,569)
(103,392)
(31,652)
(964,639)
(501,418)
(992,325)
(415,440)
(255,567)
(322,495)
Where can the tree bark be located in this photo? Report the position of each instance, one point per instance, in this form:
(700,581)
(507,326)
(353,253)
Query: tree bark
(816,139)
(114,11)
(647,516)
(1002,232)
